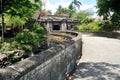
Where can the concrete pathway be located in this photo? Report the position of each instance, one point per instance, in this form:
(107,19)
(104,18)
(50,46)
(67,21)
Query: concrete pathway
(100,60)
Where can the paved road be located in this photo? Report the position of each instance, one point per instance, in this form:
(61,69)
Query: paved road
(100,60)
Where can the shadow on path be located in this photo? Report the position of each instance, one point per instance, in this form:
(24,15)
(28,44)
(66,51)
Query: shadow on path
(97,71)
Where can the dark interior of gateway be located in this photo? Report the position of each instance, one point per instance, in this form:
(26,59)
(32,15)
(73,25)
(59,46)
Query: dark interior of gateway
(70,27)
(56,27)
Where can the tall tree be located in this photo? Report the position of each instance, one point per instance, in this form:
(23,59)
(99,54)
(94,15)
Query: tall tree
(103,8)
(76,3)
(71,10)
(60,10)
(81,16)
(23,8)
(107,6)
(114,5)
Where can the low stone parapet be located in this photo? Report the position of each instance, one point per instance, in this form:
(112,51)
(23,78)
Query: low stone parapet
(52,64)
(115,35)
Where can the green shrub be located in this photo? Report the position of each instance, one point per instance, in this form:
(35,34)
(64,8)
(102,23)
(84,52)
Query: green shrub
(26,40)
(89,27)
(9,46)
(27,49)
(87,20)
(116,21)
(27,37)
(14,20)
(106,25)
(15,57)
(5,47)
(15,45)
(7,20)
(17,21)
(39,30)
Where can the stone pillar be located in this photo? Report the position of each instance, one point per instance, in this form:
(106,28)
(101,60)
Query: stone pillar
(48,27)
(51,26)
(63,26)
(68,27)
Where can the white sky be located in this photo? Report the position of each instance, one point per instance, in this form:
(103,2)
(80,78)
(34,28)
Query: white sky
(86,4)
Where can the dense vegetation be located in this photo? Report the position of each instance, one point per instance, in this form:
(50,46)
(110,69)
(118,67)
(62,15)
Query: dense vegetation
(110,10)
(18,16)
(29,37)
(25,40)
(15,17)
(26,43)
(72,8)
(89,27)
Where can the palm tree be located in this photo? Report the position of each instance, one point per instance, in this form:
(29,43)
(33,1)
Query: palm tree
(76,3)
(71,10)
(60,10)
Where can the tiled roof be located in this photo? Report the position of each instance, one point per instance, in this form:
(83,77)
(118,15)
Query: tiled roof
(41,13)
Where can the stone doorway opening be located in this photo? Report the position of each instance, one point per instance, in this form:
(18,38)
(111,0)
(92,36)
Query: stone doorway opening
(56,27)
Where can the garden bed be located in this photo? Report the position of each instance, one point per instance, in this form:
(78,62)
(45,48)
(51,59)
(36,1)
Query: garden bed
(11,57)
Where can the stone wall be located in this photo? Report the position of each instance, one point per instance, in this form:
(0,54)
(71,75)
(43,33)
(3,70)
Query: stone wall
(52,64)
(115,35)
